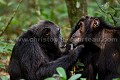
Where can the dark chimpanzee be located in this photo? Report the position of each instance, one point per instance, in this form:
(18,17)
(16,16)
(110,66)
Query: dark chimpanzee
(102,48)
(38,52)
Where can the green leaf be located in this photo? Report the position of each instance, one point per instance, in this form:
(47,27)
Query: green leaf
(62,73)
(75,77)
(50,78)
(3,2)
(106,6)
(1,49)
(2,65)
(82,78)
(116,79)
(3,78)
(4,57)
(54,75)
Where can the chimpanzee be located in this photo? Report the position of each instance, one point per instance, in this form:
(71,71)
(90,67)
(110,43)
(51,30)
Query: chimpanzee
(39,51)
(88,53)
(101,54)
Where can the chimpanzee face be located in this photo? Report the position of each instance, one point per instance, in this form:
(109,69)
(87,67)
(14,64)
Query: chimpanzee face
(49,34)
(86,26)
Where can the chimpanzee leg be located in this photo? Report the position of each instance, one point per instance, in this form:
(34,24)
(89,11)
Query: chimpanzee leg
(91,73)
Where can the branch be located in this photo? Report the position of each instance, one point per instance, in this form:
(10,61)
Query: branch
(8,23)
(37,9)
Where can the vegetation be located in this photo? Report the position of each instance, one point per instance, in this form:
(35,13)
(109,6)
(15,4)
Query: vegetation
(16,16)
(62,75)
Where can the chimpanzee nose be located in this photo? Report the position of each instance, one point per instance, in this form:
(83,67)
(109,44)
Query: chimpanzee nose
(74,36)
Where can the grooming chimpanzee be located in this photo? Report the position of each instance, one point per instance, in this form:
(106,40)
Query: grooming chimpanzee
(38,52)
(102,48)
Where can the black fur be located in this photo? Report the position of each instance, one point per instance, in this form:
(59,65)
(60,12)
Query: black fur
(38,52)
(104,57)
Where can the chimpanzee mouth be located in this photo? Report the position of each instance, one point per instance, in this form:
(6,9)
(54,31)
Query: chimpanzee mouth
(63,46)
(72,46)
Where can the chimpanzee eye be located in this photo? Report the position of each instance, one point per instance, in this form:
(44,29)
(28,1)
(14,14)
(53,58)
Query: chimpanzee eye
(47,34)
(46,31)
(59,30)
(81,24)
(58,33)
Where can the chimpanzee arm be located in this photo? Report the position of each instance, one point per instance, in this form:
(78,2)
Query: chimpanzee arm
(48,69)
(34,64)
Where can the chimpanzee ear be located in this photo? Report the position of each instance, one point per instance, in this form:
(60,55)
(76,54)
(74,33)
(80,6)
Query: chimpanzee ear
(95,23)
(46,31)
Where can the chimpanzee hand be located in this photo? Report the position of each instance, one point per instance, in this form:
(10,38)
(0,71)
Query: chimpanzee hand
(76,51)
(79,48)
(68,47)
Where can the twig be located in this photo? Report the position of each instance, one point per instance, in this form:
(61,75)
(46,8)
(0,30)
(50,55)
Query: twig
(8,23)
(118,1)
(37,9)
